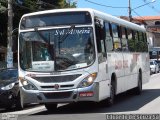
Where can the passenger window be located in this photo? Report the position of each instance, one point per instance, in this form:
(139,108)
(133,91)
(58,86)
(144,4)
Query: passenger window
(115,30)
(137,41)
(141,44)
(124,39)
(116,39)
(131,41)
(108,37)
(145,43)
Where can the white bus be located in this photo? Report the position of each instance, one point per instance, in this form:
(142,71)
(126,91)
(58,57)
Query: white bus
(71,55)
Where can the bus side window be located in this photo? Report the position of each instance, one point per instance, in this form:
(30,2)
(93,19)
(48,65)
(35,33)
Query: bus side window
(123,39)
(116,39)
(143,46)
(141,42)
(108,37)
(145,43)
(131,40)
(137,43)
(100,37)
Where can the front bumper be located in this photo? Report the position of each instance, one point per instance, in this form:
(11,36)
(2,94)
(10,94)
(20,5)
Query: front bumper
(61,96)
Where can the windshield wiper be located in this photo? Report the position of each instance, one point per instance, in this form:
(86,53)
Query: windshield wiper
(66,34)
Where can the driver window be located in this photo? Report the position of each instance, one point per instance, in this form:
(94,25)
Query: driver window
(100,38)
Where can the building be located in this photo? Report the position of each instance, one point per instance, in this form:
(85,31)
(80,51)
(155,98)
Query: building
(152,24)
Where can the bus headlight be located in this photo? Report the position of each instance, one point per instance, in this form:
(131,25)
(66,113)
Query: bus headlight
(28,85)
(88,80)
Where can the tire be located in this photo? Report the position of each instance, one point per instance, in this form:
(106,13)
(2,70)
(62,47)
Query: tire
(109,101)
(51,107)
(138,89)
(19,102)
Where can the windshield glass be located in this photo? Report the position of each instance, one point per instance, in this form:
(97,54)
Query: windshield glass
(57,49)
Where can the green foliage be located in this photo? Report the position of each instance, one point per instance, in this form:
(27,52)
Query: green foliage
(3,23)
(3,6)
(2,9)
(30,5)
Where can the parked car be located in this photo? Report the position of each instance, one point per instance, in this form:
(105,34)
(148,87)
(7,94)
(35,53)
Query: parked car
(9,89)
(158,62)
(154,67)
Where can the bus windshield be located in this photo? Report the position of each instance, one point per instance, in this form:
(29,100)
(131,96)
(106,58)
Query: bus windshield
(56,49)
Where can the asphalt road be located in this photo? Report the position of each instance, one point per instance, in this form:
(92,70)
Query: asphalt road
(127,103)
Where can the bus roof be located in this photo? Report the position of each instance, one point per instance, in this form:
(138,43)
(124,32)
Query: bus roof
(94,12)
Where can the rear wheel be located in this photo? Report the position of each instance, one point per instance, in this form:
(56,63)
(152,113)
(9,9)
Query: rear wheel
(138,89)
(51,106)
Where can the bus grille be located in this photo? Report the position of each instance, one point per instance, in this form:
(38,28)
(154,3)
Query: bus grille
(58,95)
(61,86)
(56,79)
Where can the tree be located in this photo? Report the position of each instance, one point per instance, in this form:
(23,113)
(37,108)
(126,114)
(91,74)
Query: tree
(2,8)
(3,24)
(54,4)
(21,7)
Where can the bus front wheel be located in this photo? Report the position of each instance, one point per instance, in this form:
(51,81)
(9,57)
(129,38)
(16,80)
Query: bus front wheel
(110,100)
(51,106)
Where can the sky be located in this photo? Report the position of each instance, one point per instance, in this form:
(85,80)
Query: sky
(150,8)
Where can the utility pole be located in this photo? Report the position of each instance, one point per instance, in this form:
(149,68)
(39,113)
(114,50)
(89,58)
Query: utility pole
(10,27)
(129,10)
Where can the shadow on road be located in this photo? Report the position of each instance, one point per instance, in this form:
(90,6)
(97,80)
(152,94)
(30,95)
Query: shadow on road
(124,102)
